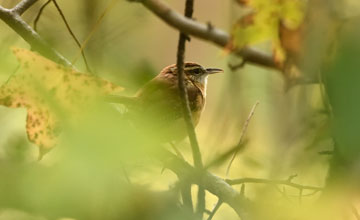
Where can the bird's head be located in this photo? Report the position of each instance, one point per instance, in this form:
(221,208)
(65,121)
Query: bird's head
(193,72)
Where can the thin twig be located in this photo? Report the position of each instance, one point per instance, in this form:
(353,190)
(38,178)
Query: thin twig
(282,192)
(94,29)
(189,8)
(186,195)
(214,210)
(243,131)
(237,66)
(185,104)
(222,157)
(300,195)
(275,182)
(297,195)
(72,34)
(183,93)
(242,190)
(291,177)
(22,6)
(40,13)
(178,153)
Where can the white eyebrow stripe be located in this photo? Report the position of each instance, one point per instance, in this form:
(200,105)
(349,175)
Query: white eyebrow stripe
(192,68)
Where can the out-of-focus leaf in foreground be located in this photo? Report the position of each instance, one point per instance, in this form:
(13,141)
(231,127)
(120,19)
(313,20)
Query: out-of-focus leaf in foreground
(48,90)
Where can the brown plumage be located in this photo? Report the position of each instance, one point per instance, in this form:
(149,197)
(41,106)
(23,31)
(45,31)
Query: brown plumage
(157,105)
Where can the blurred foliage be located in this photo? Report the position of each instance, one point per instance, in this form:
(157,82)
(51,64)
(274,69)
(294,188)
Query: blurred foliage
(341,83)
(40,80)
(104,168)
(263,20)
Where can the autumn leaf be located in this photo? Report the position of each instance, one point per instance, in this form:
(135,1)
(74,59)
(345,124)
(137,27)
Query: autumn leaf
(262,23)
(292,41)
(243,2)
(48,90)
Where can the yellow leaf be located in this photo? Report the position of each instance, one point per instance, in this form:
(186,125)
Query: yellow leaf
(292,13)
(262,23)
(47,90)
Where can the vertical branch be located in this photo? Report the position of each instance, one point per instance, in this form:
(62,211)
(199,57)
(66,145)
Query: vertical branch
(186,195)
(183,92)
(186,109)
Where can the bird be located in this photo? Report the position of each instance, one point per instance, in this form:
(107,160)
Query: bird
(157,106)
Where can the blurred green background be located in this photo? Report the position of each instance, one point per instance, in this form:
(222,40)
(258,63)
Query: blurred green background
(103,169)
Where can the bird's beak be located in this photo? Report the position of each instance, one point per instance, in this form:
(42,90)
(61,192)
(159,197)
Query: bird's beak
(214,70)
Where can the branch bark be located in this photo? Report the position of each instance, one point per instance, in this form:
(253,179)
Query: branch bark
(211,183)
(276,182)
(186,108)
(184,96)
(23,6)
(13,19)
(205,31)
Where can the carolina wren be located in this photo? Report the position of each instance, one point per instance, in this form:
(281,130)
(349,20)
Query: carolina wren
(158,102)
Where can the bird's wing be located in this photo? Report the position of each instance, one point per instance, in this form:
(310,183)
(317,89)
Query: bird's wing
(160,99)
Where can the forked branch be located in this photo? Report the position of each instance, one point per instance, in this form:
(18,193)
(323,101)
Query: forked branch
(214,184)
(12,17)
(23,6)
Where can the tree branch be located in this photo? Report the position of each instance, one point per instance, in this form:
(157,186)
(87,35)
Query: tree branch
(184,96)
(186,107)
(13,19)
(23,6)
(276,182)
(205,32)
(211,183)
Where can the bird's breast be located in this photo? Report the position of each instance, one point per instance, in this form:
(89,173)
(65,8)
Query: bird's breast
(196,102)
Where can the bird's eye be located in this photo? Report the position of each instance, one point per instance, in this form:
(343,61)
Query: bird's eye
(196,71)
